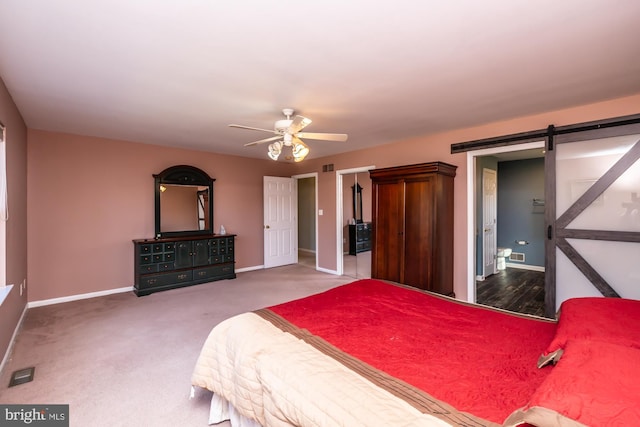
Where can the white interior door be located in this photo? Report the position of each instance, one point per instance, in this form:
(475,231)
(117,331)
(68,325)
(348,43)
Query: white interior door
(280,221)
(489,217)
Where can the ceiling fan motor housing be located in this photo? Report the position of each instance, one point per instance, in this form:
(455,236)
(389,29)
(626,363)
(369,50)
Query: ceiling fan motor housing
(281,126)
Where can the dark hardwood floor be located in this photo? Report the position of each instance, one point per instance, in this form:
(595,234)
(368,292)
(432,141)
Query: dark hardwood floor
(513,289)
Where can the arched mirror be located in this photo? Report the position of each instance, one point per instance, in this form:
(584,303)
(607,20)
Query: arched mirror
(184,202)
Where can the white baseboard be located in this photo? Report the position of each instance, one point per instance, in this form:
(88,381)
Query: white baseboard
(255,267)
(260,267)
(325,270)
(310,251)
(78,297)
(525,266)
(12,341)
(481,278)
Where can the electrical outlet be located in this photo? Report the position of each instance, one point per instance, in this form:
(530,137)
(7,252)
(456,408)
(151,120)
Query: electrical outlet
(21,288)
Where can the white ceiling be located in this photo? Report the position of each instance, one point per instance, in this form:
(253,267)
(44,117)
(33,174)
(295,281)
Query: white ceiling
(178,72)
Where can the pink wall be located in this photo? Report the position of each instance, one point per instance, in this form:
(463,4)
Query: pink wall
(437,147)
(89,197)
(16,227)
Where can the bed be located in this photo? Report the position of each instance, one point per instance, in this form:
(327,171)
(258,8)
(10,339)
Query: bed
(373,353)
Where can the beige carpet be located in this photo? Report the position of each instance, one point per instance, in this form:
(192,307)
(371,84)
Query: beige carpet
(120,360)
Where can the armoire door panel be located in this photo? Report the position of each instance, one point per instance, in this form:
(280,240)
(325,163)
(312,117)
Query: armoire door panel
(418,243)
(387,231)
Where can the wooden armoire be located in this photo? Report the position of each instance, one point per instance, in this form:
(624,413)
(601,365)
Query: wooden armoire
(412,236)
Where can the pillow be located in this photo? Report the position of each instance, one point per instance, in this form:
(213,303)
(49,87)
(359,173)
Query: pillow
(592,385)
(613,320)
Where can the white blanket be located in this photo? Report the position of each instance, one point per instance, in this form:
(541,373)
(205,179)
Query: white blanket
(279,380)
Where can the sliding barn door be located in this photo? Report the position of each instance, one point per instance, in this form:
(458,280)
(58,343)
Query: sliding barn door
(593,214)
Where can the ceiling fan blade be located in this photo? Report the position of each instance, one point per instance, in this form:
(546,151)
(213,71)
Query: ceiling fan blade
(273,138)
(252,128)
(340,137)
(298,124)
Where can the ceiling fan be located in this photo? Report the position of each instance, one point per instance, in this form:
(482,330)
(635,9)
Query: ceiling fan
(288,133)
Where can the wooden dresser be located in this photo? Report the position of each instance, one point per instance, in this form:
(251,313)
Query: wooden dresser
(412,235)
(359,238)
(168,263)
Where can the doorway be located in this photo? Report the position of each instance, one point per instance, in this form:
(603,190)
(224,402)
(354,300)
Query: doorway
(307,219)
(506,227)
(353,213)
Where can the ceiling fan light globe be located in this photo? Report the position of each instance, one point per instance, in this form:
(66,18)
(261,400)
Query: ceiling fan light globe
(274,150)
(299,151)
(300,156)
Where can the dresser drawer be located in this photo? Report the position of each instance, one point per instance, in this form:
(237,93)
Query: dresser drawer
(155,280)
(362,246)
(148,268)
(214,272)
(165,266)
(146,259)
(221,258)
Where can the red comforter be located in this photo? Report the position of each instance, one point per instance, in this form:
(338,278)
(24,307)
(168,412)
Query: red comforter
(479,360)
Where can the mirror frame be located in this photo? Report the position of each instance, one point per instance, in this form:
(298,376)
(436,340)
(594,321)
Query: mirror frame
(357,202)
(183,175)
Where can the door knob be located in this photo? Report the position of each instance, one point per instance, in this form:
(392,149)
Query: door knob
(266,226)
